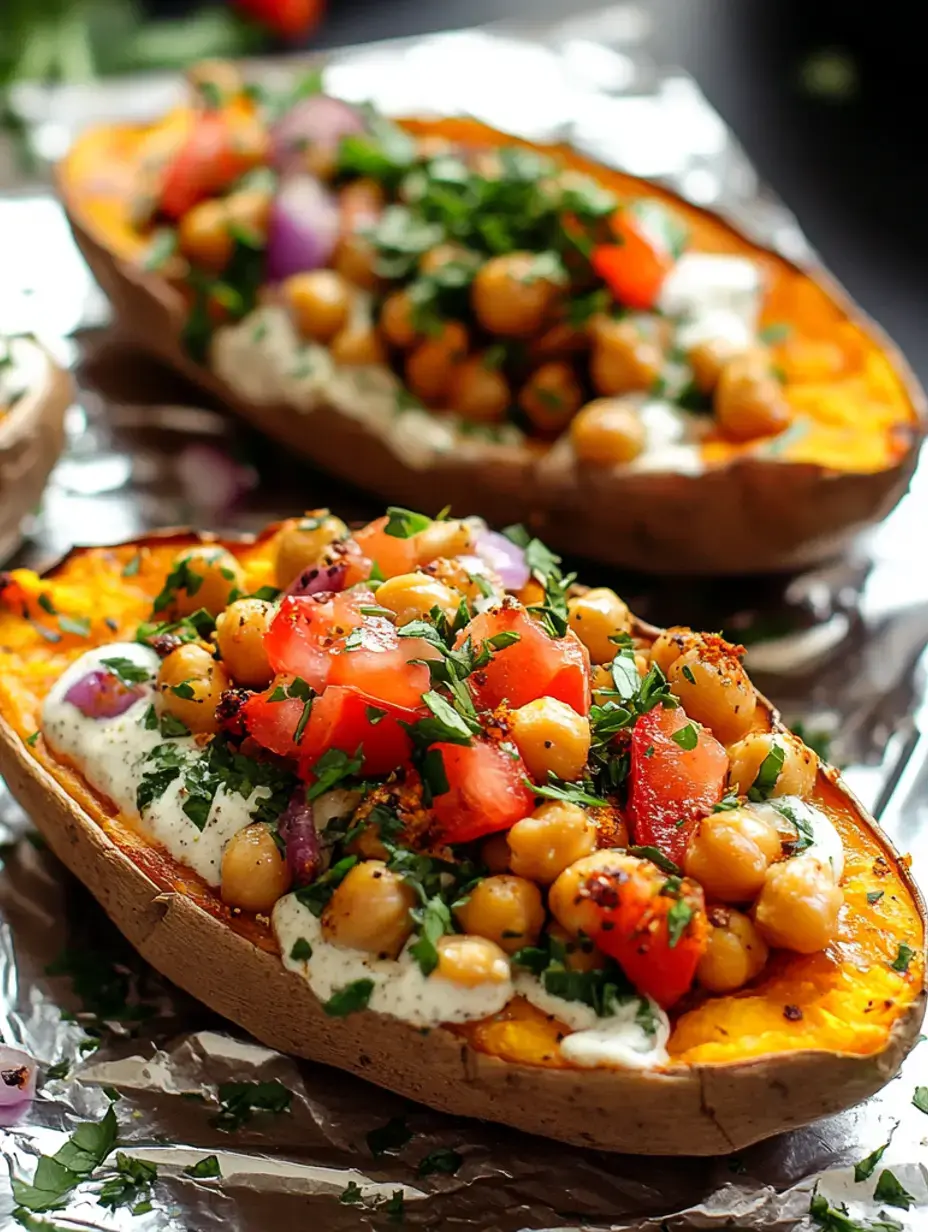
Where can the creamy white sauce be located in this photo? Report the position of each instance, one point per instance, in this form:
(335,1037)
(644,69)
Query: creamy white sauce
(400,988)
(110,753)
(672,439)
(826,843)
(617,1040)
(705,285)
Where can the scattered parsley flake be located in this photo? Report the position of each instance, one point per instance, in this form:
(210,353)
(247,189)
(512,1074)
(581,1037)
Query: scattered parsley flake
(239,1100)
(903,958)
(350,999)
(301,951)
(79,626)
(865,1169)
(127,671)
(132,566)
(686,737)
(404,523)
(769,771)
(205,1169)
(664,863)
(874,896)
(920,1099)
(889,1190)
(572,793)
(441,1162)
(678,918)
(333,767)
(390,1137)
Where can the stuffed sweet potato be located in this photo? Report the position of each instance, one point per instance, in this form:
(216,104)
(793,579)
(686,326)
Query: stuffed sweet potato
(441,313)
(410,801)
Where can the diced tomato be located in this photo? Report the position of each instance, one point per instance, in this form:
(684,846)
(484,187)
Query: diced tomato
(672,787)
(347,719)
(537,665)
(307,630)
(393,556)
(221,146)
(289,18)
(384,665)
(274,724)
(634,269)
(486,792)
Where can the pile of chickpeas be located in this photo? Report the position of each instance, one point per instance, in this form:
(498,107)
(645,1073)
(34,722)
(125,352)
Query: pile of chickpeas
(756,897)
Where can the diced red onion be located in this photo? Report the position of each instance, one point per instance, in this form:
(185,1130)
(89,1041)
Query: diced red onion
(303,229)
(211,480)
(103,695)
(17,1077)
(505,558)
(319,579)
(319,123)
(298,830)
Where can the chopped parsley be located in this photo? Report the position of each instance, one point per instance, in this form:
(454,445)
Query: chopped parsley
(903,958)
(131,1186)
(768,772)
(836,1218)
(131,567)
(332,768)
(197,627)
(404,523)
(127,671)
(572,793)
(874,896)
(350,999)
(204,1169)
(920,1099)
(442,1162)
(889,1190)
(301,950)
(239,1100)
(686,737)
(678,919)
(316,895)
(57,1175)
(390,1137)
(664,863)
(79,626)
(162,246)
(865,1169)
(602,989)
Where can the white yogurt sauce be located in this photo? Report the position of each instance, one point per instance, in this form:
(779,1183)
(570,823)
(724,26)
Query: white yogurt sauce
(400,988)
(110,753)
(713,296)
(826,843)
(618,1039)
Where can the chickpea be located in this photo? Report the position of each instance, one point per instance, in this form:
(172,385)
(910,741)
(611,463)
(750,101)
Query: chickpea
(729,854)
(203,235)
(797,774)
(357,346)
(210,575)
(370,910)
(478,392)
(360,203)
(355,259)
(189,685)
(396,320)
(504,909)
(551,736)
(253,873)
(707,359)
(369,845)
(494,853)
(447,538)
(250,211)
(509,298)
(301,543)
(319,302)
(715,690)
(798,906)
(240,632)
(411,596)
(607,432)
(749,400)
(568,901)
(430,365)
(442,255)
(627,356)
(215,81)
(551,396)
(596,617)
(580,954)
(471,961)
(555,836)
(735,952)
(670,644)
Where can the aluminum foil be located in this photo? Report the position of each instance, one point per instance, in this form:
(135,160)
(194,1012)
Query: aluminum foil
(840,648)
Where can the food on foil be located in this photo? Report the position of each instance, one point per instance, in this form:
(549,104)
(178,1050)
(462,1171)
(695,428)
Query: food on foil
(441,312)
(410,800)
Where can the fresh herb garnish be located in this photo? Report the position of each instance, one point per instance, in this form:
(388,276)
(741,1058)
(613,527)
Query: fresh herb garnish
(686,737)
(572,793)
(79,626)
(161,247)
(333,767)
(865,1169)
(768,772)
(678,918)
(131,567)
(205,1169)
(920,1099)
(874,896)
(57,1175)
(350,999)
(239,1100)
(441,1162)
(351,1194)
(131,1186)
(390,1137)
(664,863)
(404,523)
(31,740)
(316,895)
(889,1190)
(127,671)
(301,950)
(836,1219)
(903,958)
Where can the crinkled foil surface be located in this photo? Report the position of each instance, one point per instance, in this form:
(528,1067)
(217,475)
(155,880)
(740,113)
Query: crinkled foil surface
(840,648)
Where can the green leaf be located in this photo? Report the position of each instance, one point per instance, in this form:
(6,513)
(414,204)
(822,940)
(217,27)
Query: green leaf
(350,999)
(374,714)
(183,690)
(434,778)
(301,951)
(889,1190)
(686,737)
(434,921)
(446,726)
(664,863)
(874,896)
(768,772)
(131,1186)
(865,1169)
(678,918)
(903,958)
(78,625)
(404,523)
(239,1100)
(33,739)
(161,247)
(441,1162)
(625,676)
(573,793)
(316,895)
(727,803)
(920,1099)
(351,1195)
(205,1168)
(333,767)
(390,1137)
(127,671)
(56,1175)
(395,1207)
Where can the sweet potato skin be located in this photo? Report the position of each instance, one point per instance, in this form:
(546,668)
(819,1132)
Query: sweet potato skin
(701,1109)
(743,514)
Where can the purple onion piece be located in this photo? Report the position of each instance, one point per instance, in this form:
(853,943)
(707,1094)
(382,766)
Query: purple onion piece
(103,695)
(316,126)
(301,840)
(319,579)
(505,558)
(17,1077)
(304,228)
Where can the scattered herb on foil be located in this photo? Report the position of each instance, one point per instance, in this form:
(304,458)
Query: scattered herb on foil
(390,1137)
(395,1207)
(664,863)
(204,1169)
(107,990)
(131,1185)
(127,671)
(350,999)
(903,958)
(836,1218)
(238,1101)
(920,1099)
(889,1190)
(769,771)
(442,1162)
(57,1175)
(351,1195)
(60,1069)
(867,1166)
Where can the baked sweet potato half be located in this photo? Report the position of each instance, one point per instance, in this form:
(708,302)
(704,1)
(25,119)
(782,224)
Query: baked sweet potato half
(439,312)
(409,801)
(34,395)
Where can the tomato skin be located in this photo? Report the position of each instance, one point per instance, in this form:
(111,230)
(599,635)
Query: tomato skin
(382,665)
(342,719)
(207,162)
(307,630)
(535,666)
(393,556)
(672,784)
(634,269)
(290,18)
(274,724)
(486,791)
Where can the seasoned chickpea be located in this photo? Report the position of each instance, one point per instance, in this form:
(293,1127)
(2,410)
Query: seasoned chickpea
(249,210)
(627,356)
(253,873)
(707,359)
(240,632)
(551,396)
(477,391)
(555,836)
(670,644)
(447,538)
(369,845)
(797,774)
(319,302)
(580,954)
(551,736)
(301,543)
(494,853)
(370,910)
(446,254)
(357,346)
(396,320)
(601,684)
(190,683)
(504,909)
(411,596)
(735,952)
(568,900)
(210,575)
(360,203)
(471,961)
(799,904)
(607,432)
(596,617)
(749,400)
(729,854)
(532,593)
(509,298)
(355,259)
(714,689)
(430,365)
(216,81)
(203,235)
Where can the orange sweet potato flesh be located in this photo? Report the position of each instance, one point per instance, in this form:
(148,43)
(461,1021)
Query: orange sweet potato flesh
(849,997)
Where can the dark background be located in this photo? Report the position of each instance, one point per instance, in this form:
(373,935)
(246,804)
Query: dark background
(851,165)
